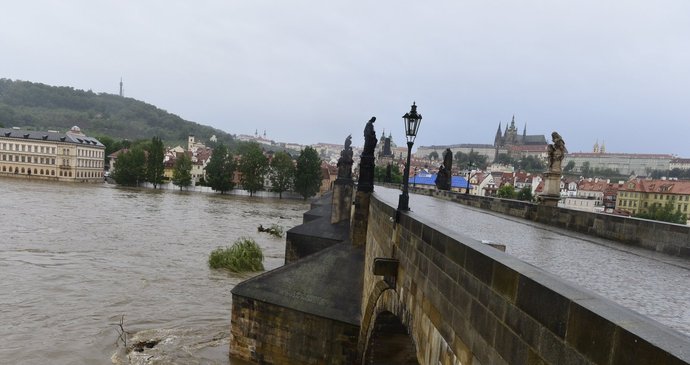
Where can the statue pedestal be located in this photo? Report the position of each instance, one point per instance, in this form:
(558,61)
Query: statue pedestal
(552,189)
(342,200)
(360,219)
(366,173)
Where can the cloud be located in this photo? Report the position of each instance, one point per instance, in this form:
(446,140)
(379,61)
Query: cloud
(309,71)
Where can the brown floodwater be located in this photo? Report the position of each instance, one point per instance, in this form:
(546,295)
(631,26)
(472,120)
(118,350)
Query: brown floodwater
(77,260)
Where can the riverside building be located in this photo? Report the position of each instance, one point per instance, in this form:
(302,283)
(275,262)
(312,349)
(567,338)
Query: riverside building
(70,156)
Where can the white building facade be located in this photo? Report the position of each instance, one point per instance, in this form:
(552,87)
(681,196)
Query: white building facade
(71,156)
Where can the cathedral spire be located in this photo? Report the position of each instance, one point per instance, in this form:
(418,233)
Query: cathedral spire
(497,139)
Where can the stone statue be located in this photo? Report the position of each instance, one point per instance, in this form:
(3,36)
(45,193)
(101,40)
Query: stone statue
(444,176)
(369,138)
(345,161)
(367,163)
(556,152)
(448,159)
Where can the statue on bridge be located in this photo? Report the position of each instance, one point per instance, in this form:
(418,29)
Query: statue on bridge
(369,138)
(367,164)
(345,161)
(444,176)
(556,152)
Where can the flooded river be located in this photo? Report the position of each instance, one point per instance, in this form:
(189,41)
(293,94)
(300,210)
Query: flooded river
(77,260)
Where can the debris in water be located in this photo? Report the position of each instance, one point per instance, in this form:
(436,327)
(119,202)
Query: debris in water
(141,345)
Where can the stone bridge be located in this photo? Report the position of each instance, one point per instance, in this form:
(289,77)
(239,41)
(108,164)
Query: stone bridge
(376,291)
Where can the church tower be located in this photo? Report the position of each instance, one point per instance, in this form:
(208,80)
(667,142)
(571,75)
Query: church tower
(511,137)
(497,139)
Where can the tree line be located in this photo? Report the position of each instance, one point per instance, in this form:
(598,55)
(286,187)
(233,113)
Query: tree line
(143,162)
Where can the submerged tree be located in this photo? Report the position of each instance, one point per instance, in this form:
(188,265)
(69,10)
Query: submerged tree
(244,255)
(253,167)
(308,173)
(154,162)
(182,173)
(130,168)
(282,173)
(220,170)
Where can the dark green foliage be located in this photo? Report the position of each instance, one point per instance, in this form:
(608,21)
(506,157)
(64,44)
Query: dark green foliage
(570,166)
(463,160)
(253,167)
(154,162)
(396,175)
(584,169)
(667,213)
(282,173)
(130,168)
(525,194)
(530,163)
(676,172)
(220,170)
(527,163)
(244,255)
(606,173)
(308,173)
(433,155)
(274,230)
(42,107)
(506,191)
(504,159)
(182,174)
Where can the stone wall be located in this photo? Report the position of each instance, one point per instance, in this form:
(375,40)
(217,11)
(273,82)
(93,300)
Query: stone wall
(671,239)
(263,333)
(465,303)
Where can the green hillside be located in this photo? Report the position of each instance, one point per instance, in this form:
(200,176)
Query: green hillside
(37,106)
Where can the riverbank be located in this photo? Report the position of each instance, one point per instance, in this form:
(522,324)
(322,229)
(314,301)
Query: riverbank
(208,190)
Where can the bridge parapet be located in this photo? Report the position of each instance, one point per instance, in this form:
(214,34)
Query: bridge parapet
(463,302)
(668,238)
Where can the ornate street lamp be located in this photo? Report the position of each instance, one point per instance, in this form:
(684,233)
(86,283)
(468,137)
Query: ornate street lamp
(412,120)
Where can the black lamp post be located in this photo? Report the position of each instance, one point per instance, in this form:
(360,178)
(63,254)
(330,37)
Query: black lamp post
(412,119)
(469,172)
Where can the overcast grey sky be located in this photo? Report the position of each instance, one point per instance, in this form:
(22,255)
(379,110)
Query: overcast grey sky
(316,71)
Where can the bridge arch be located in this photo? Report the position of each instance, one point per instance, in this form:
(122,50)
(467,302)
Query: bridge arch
(390,342)
(386,324)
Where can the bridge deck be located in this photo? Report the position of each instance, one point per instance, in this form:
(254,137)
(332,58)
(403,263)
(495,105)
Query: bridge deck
(649,283)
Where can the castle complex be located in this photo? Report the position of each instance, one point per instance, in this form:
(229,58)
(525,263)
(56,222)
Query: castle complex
(507,141)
